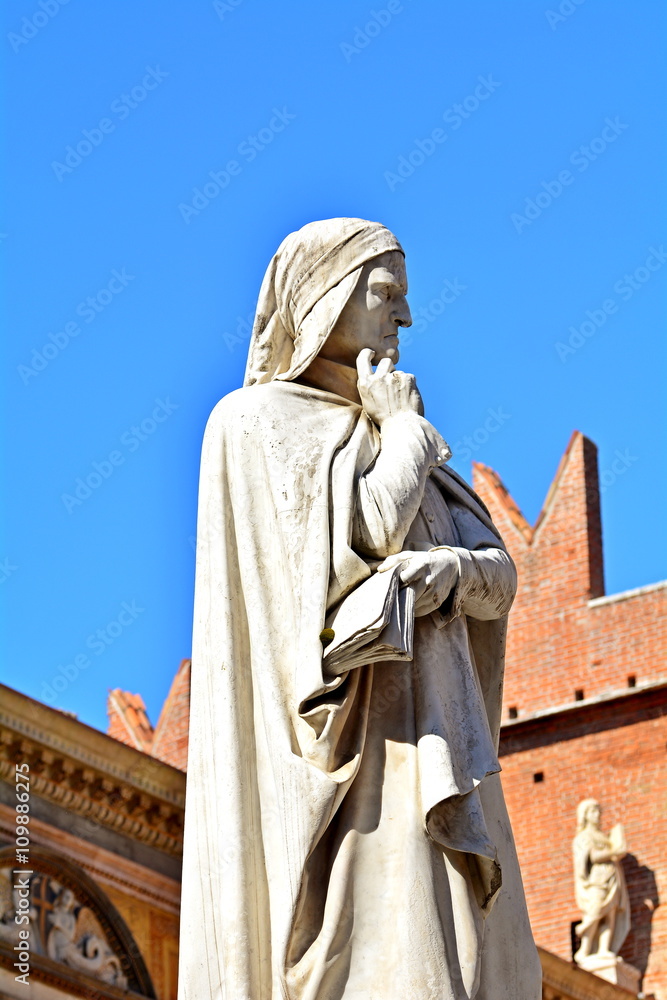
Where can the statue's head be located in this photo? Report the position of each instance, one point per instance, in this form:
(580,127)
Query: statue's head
(332,288)
(588,814)
(373,313)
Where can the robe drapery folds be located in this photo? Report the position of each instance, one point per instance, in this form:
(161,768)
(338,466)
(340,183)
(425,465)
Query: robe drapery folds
(346,836)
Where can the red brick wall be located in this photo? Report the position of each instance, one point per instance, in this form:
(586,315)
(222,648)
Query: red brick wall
(128,721)
(615,752)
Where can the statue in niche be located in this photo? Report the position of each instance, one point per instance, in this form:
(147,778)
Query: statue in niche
(346,834)
(76,939)
(600,888)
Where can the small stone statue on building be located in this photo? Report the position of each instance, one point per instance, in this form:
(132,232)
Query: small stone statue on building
(601,895)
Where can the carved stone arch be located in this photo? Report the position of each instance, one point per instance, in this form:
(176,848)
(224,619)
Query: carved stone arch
(45,863)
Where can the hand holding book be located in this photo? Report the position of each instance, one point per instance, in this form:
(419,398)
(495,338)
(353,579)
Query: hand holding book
(374,622)
(431,574)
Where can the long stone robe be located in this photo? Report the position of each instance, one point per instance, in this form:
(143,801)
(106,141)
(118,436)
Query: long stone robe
(346,836)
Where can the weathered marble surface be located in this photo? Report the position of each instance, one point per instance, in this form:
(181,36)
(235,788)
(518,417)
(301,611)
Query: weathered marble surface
(346,835)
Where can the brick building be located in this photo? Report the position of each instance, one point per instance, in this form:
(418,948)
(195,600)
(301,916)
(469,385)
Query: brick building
(585,710)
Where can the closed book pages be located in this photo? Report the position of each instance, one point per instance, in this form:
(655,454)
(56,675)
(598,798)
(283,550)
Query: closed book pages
(373,623)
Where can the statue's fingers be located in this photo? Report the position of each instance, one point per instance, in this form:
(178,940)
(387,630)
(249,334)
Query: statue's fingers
(388,563)
(364,367)
(411,572)
(385,366)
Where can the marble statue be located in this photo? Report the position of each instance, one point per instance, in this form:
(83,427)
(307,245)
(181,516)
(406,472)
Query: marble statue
(600,888)
(346,835)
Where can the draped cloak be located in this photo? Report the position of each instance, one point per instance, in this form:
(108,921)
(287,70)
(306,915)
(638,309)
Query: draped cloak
(346,836)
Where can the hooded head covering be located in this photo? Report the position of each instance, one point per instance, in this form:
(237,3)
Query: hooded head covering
(306,285)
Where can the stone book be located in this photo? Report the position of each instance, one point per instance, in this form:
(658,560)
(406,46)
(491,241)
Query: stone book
(375,622)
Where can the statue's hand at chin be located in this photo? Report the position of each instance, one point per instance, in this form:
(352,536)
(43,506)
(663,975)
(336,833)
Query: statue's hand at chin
(386,392)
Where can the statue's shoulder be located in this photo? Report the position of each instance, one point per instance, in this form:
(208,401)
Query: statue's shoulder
(270,406)
(244,402)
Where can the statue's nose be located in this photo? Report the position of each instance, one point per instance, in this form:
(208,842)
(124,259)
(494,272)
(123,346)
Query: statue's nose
(403,315)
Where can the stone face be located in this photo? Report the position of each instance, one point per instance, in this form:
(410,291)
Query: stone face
(346,834)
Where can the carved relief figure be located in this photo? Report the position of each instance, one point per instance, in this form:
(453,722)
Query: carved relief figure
(76,940)
(350,612)
(600,888)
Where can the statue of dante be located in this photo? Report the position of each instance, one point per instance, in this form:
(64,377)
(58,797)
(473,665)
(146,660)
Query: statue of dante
(600,888)
(346,835)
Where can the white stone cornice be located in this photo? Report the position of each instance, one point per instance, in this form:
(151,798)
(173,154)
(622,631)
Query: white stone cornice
(91,774)
(79,742)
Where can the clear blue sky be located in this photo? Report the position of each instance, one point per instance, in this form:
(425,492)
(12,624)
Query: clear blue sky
(517,155)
